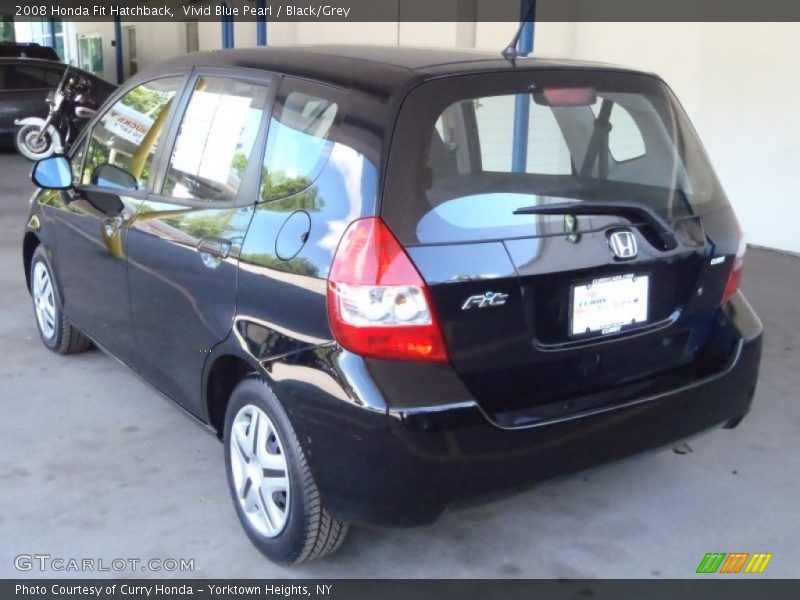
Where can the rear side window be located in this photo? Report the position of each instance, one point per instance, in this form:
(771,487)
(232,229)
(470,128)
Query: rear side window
(27,50)
(469,151)
(127,135)
(29,77)
(215,139)
(298,145)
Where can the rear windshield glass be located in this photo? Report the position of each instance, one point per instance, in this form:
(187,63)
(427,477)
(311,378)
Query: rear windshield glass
(470,151)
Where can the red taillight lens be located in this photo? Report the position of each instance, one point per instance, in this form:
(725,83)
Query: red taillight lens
(378,303)
(735,278)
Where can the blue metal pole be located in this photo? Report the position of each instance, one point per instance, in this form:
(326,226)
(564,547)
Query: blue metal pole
(261,24)
(526,39)
(519,151)
(51,23)
(522,102)
(227,28)
(118,49)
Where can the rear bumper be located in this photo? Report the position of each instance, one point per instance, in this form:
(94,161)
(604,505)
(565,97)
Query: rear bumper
(403,467)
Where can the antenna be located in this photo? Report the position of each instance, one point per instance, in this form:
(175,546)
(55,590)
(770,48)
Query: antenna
(510,52)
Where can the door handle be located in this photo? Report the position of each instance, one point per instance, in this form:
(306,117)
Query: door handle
(215,246)
(213,251)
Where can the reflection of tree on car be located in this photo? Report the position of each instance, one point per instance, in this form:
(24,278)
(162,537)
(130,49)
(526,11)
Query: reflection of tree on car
(201,226)
(145,100)
(298,265)
(127,133)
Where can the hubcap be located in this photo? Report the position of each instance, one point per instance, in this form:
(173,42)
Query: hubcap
(36,142)
(44,301)
(260,471)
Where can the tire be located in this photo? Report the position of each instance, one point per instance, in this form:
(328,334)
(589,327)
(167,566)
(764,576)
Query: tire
(257,430)
(55,329)
(24,141)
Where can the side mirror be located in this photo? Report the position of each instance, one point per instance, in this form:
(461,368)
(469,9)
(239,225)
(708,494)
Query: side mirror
(53,173)
(111,176)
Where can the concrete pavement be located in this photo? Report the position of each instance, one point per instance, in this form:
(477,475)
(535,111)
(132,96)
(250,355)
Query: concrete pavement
(96,464)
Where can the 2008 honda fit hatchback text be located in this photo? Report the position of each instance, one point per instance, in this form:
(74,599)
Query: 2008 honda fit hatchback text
(391,278)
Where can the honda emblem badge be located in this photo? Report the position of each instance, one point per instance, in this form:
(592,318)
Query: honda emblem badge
(623,244)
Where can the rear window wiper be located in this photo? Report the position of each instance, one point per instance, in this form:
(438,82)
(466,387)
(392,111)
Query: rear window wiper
(636,213)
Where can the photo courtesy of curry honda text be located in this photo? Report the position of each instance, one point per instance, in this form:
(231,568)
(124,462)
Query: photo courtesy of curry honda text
(390,279)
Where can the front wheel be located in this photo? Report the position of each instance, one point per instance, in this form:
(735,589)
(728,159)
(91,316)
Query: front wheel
(32,145)
(55,329)
(272,488)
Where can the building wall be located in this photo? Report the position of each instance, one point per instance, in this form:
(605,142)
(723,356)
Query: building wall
(736,81)
(106,31)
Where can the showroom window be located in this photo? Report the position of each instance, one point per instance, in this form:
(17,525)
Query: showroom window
(127,135)
(215,140)
(299,144)
(39,32)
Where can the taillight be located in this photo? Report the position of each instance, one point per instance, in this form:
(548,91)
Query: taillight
(378,303)
(735,278)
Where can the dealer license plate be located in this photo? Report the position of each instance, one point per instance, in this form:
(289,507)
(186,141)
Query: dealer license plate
(609,304)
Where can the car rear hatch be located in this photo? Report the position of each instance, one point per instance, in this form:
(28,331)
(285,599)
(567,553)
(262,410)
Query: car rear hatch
(574,238)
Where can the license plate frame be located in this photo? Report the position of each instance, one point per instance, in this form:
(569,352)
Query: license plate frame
(626,305)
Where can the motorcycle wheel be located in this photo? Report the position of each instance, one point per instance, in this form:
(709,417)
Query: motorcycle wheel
(32,148)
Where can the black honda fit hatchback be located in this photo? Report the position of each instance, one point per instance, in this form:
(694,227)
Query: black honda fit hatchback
(390,279)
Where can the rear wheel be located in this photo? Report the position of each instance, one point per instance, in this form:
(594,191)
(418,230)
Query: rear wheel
(272,488)
(55,329)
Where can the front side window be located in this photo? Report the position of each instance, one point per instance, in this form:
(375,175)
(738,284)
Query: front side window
(215,140)
(298,145)
(77,153)
(127,136)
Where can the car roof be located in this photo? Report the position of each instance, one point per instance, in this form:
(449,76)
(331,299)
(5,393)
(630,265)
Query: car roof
(375,68)
(42,62)
(28,50)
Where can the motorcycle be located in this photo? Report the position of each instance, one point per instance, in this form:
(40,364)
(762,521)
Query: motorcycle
(71,106)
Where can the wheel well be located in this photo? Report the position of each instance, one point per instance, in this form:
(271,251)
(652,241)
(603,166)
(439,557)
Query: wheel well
(225,373)
(29,245)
